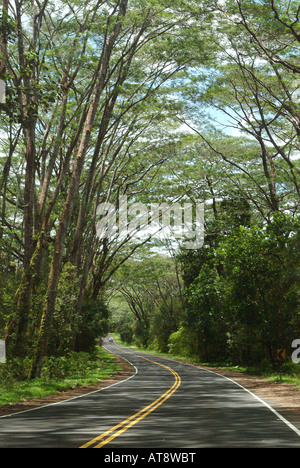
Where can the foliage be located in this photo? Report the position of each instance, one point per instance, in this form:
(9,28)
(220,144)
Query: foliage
(93,324)
(245,311)
(183,342)
(65,318)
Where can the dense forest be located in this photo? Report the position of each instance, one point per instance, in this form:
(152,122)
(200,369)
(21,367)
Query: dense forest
(161,102)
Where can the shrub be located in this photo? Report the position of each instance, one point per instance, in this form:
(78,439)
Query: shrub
(73,364)
(183,343)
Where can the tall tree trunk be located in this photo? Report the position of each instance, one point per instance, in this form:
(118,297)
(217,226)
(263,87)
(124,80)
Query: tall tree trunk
(49,305)
(28,105)
(15,333)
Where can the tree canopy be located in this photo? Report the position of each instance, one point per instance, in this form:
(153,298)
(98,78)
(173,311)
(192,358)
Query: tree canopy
(160,102)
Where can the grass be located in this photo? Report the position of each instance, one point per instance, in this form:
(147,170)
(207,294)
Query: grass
(290,372)
(102,367)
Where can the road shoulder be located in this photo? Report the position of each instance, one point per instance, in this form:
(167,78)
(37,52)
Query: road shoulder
(284,398)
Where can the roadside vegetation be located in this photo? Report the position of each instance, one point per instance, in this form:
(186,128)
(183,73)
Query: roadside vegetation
(287,373)
(59,374)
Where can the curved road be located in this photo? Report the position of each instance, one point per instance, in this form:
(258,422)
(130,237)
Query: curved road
(165,404)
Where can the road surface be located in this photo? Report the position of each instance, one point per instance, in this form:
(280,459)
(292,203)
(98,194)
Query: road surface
(164,404)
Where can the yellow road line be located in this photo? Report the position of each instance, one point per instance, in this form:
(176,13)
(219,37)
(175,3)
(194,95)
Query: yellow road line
(120,428)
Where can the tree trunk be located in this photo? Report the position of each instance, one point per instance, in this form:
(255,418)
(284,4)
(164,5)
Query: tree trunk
(48,311)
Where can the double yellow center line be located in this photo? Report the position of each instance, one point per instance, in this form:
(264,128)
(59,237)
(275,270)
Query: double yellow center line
(120,428)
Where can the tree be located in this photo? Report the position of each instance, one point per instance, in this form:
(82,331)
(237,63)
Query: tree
(261,278)
(252,94)
(151,288)
(82,119)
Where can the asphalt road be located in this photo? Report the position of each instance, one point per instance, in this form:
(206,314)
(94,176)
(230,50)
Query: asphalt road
(165,404)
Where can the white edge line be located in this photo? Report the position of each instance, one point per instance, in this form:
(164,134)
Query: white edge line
(78,396)
(290,425)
